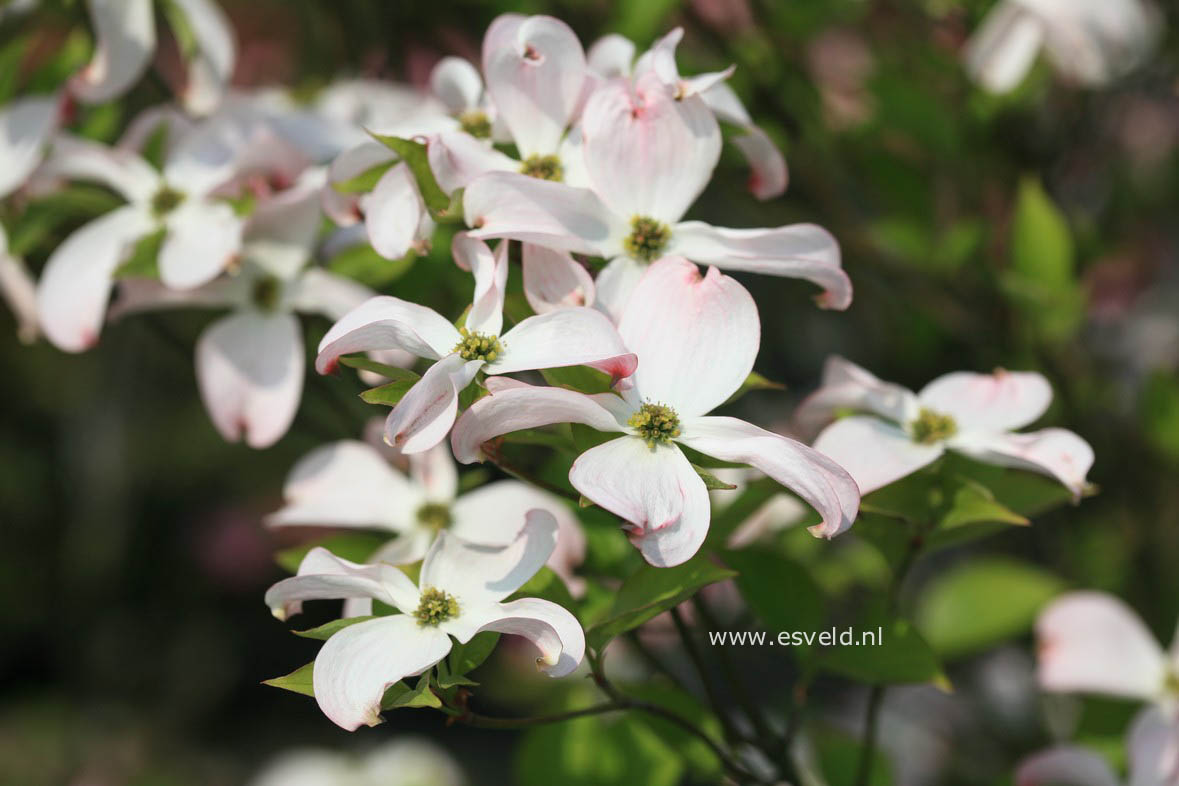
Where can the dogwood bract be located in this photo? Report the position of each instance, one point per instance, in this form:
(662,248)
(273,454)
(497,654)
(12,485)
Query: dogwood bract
(971,414)
(350,484)
(564,337)
(250,364)
(1152,750)
(460,593)
(696,338)
(648,153)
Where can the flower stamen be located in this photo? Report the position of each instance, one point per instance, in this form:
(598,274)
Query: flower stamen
(647,239)
(655,423)
(543,167)
(165,201)
(436,607)
(266,292)
(476,123)
(478,346)
(435,515)
(930,427)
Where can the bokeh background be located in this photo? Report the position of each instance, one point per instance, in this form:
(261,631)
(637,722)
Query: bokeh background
(132,563)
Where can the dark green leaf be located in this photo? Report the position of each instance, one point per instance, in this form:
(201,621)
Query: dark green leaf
(650,591)
(324,632)
(401,695)
(580,378)
(390,393)
(142,262)
(778,590)
(898,652)
(364,182)
(364,265)
(712,482)
(467,657)
(414,155)
(754,381)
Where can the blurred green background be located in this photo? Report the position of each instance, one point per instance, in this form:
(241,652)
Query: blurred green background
(1039,230)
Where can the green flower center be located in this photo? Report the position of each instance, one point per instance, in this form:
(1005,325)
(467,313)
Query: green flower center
(435,515)
(647,238)
(165,201)
(930,427)
(436,607)
(266,293)
(478,346)
(543,167)
(1171,683)
(655,424)
(475,123)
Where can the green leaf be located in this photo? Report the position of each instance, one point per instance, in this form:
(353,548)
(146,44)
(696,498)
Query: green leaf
(401,695)
(898,652)
(364,265)
(973,503)
(391,393)
(698,756)
(754,381)
(712,482)
(617,750)
(298,681)
(839,760)
(325,631)
(650,591)
(1041,244)
(143,260)
(352,546)
(364,182)
(983,602)
(365,364)
(467,657)
(547,585)
(779,591)
(585,437)
(580,378)
(414,155)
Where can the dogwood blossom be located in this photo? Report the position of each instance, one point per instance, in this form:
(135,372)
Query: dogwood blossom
(565,337)
(405,761)
(696,338)
(648,154)
(19,291)
(26,127)
(971,414)
(350,484)
(1092,642)
(460,594)
(202,233)
(126,42)
(1090,42)
(613,56)
(249,365)
(1152,748)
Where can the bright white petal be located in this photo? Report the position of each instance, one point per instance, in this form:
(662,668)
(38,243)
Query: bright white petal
(524,406)
(874,452)
(25,128)
(324,576)
(511,205)
(554,631)
(404,549)
(76,282)
(344,209)
(426,413)
(393,213)
(568,337)
(387,323)
(478,575)
(535,71)
(212,64)
(249,369)
(801,251)
(203,238)
(347,483)
(655,489)
(360,662)
(696,336)
(553,280)
(457,158)
(1002,401)
(1066,765)
(126,34)
(611,56)
(120,170)
(457,82)
(846,386)
(1091,642)
(648,154)
(491,281)
(435,473)
(615,284)
(1001,52)
(823,483)
(1055,452)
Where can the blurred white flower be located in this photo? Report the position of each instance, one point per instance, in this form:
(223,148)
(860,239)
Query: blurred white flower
(1090,42)
(406,761)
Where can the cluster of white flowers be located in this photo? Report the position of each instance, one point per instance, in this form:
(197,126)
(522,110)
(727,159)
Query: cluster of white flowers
(557,156)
